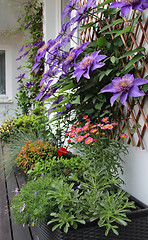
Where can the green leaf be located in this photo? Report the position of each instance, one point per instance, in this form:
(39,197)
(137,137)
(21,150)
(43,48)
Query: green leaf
(106,27)
(125,128)
(69,86)
(125,30)
(107,72)
(110,32)
(87,97)
(89,111)
(77,100)
(106,2)
(81,221)
(98,106)
(134,60)
(87,26)
(139,49)
(101,41)
(113,59)
(137,125)
(145,87)
(58,109)
(132,130)
(119,20)
(115,231)
(122,222)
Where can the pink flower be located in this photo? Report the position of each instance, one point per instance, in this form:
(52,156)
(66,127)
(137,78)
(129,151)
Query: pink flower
(123,136)
(105,120)
(103,127)
(86,135)
(85,117)
(72,135)
(94,130)
(100,125)
(85,128)
(88,140)
(67,133)
(78,130)
(73,131)
(79,139)
(109,126)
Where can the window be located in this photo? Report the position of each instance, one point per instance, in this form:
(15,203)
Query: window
(2,72)
(6,65)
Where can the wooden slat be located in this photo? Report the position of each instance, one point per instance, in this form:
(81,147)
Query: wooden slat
(19,233)
(5,229)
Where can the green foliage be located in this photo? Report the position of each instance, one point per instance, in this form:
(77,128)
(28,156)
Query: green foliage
(30,23)
(66,204)
(57,166)
(35,124)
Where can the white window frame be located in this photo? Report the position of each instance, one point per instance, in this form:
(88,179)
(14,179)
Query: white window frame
(7,97)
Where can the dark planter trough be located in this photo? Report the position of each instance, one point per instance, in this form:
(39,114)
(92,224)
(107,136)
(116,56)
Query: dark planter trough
(137,229)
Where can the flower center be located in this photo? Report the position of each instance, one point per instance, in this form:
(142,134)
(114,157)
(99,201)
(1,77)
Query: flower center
(69,58)
(86,62)
(123,84)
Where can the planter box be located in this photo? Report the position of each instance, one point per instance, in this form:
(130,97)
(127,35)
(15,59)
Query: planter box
(137,229)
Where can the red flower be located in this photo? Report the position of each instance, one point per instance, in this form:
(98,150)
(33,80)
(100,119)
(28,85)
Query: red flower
(62,151)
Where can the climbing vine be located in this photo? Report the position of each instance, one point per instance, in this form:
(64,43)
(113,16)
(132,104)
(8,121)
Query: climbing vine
(30,23)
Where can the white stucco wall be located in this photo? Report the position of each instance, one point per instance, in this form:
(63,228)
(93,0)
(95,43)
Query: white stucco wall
(11,41)
(11,45)
(136,173)
(52,18)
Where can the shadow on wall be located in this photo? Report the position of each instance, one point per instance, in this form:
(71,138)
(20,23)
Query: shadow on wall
(136,173)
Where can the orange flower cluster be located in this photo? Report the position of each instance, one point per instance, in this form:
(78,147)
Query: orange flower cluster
(33,152)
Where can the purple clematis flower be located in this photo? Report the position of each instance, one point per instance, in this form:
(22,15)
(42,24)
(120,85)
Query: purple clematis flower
(125,5)
(69,8)
(82,13)
(124,87)
(89,62)
(29,84)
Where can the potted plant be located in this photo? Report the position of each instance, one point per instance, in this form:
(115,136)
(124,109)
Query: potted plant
(93,198)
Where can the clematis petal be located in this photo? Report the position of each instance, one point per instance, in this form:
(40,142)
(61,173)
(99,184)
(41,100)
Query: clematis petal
(108,88)
(97,65)
(86,74)
(116,4)
(140,81)
(114,97)
(135,92)
(125,10)
(123,97)
(78,73)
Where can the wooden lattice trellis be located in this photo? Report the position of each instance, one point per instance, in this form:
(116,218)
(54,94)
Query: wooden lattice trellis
(137,113)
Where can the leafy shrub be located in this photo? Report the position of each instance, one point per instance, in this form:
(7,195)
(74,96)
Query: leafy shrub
(58,167)
(58,202)
(33,152)
(35,124)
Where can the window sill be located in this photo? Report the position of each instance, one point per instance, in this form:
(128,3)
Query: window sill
(5,99)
